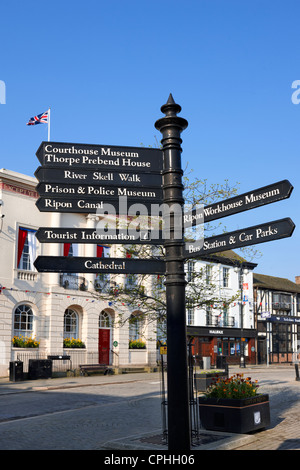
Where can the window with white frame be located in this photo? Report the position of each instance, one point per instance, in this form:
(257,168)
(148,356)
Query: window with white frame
(190,271)
(23,321)
(225,277)
(104,320)
(208,273)
(190,316)
(26,249)
(70,324)
(135,327)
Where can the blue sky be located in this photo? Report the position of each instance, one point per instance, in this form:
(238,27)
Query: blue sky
(106,67)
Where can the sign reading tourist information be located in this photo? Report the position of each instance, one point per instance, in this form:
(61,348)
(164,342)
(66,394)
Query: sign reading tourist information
(91,235)
(77,264)
(267,232)
(100,157)
(92,177)
(259,197)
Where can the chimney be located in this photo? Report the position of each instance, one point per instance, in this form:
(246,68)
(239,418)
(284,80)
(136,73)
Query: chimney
(297,279)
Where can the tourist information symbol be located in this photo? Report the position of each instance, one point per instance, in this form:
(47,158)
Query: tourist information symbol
(250,200)
(262,233)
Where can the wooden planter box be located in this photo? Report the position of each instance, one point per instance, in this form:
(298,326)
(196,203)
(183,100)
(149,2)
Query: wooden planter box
(203,381)
(233,415)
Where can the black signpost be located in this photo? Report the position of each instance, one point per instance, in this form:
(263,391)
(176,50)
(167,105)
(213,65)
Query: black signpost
(83,178)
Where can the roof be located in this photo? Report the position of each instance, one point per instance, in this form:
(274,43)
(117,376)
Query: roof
(275,283)
(229,257)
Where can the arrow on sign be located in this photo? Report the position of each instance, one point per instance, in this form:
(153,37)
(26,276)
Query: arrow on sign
(259,197)
(77,264)
(262,233)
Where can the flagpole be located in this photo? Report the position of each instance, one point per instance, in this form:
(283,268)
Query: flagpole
(49,125)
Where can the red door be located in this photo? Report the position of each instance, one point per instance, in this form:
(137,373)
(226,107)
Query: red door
(104,340)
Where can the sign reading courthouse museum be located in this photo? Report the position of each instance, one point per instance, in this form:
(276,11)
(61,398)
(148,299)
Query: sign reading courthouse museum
(107,157)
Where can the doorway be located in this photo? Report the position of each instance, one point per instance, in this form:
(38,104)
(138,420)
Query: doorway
(104,345)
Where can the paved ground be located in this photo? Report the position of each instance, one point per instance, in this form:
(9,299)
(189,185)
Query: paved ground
(121,411)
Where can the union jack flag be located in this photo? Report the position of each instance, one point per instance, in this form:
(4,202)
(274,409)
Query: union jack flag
(39,119)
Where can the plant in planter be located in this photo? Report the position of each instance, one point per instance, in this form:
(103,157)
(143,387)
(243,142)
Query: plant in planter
(25,342)
(234,405)
(137,344)
(73,343)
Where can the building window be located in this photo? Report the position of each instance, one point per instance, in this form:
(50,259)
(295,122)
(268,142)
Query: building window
(190,316)
(208,274)
(135,327)
(209,316)
(190,271)
(282,338)
(23,321)
(104,320)
(70,324)
(26,249)
(282,302)
(225,277)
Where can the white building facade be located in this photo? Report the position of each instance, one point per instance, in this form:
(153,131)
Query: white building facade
(55,309)
(223,326)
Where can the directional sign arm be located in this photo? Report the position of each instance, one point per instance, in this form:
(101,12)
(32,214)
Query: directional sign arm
(91,235)
(250,200)
(77,264)
(262,233)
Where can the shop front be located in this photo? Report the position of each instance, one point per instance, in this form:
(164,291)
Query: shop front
(213,345)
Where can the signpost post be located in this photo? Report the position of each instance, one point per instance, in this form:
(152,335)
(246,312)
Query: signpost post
(85,178)
(179,433)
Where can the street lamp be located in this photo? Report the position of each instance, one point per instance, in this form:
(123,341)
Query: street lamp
(241,270)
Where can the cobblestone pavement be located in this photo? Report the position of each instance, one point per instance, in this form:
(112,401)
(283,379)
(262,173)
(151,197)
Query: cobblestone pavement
(84,413)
